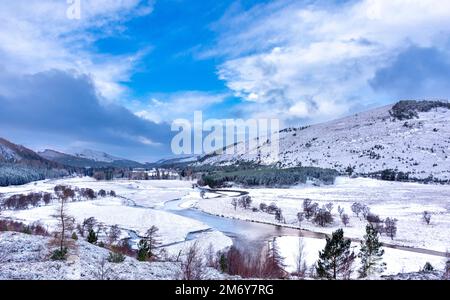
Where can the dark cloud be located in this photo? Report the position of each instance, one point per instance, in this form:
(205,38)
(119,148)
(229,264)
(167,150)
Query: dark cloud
(66,106)
(415,73)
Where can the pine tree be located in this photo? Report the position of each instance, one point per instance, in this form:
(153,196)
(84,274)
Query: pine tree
(92,237)
(273,266)
(223,263)
(143,249)
(336,258)
(371,254)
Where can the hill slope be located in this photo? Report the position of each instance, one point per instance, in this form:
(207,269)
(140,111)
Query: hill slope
(20,165)
(411,137)
(88,158)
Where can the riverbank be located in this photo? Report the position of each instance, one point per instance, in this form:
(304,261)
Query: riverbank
(403,201)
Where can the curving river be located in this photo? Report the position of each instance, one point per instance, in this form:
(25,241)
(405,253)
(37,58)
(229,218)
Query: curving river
(253,235)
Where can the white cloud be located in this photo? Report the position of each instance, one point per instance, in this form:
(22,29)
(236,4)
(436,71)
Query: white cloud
(164,108)
(315,61)
(37,36)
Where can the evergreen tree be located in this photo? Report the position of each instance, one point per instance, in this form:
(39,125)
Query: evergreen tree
(143,249)
(336,258)
(273,266)
(428,267)
(371,254)
(223,263)
(92,237)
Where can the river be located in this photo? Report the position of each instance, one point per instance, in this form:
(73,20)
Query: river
(253,235)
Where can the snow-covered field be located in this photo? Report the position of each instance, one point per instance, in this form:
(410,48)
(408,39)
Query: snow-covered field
(134,210)
(397,261)
(140,204)
(151,193)
(403,201)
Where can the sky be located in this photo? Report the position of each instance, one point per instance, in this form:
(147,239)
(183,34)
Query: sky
(116,78)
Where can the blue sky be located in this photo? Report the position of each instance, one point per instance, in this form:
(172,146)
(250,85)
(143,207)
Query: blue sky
(115,79)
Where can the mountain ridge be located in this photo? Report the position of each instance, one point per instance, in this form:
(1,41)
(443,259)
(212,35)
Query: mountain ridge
(89,159)
(409,137)
(20,165)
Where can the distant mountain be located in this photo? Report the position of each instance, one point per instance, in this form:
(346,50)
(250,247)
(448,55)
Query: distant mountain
(12,153)
(411,138)
(19,165)
(89,159)
(96,156)
(174,162)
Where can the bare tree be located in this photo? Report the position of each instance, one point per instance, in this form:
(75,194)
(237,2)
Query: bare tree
(263,207)
(300,218)
(113,234)
(301,266)
(88,225)
(345,219)
(102,193)
(279,216)
(47,197)
(309,208)
(65,225)
(243,263)
(245,201)
(373,219)
(365,211)
(356,208)
(329,206)
(192,264)
(390,227)
(103,271)
(347,268)
(3,254)
(426,217)
(211,257)
(323,217)
(340,210)
(234,202)
(446,275)
(153,242)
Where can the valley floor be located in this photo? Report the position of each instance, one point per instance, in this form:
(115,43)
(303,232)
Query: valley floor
(137,207)
(403,201)
(141,204)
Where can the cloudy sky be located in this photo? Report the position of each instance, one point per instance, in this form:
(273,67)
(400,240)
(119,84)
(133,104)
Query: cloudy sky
(116,78)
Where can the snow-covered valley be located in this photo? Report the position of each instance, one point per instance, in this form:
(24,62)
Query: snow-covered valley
(138,205)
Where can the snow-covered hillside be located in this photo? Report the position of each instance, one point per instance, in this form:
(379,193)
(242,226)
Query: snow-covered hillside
(26,257)
(88,158)
(12,153)
(19,165)
(412,138)
(7,154)
(96,156)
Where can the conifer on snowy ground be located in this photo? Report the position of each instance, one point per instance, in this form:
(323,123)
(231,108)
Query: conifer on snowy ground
(371,254)
(336,259)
